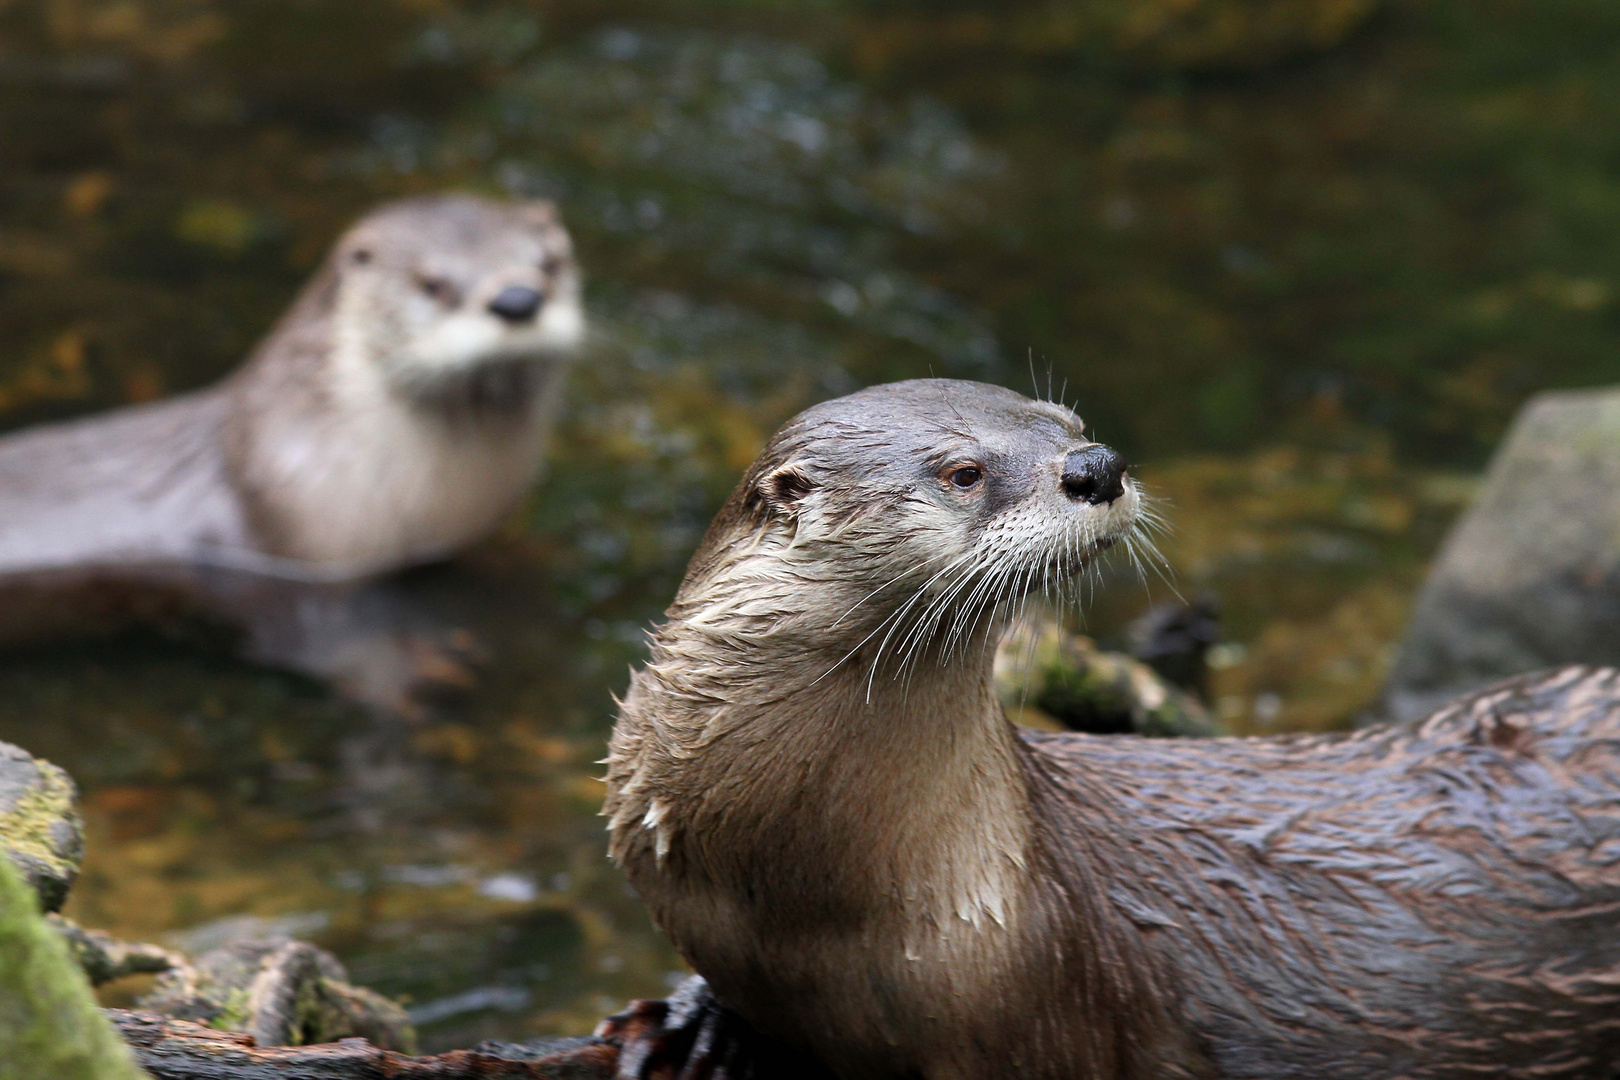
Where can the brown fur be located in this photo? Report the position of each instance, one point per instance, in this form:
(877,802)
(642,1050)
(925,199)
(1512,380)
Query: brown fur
(844,835)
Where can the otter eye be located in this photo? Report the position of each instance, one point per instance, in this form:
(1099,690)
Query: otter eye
(436,287)
(360,256)
(966,476)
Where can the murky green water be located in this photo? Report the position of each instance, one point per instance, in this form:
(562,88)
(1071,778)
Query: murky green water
(1299,259)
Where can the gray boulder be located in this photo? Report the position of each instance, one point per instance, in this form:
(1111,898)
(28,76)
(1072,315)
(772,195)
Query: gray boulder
(1530,577)
(40,829)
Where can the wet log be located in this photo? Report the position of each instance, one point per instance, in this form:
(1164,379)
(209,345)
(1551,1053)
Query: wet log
(170,1049)
(687,1036)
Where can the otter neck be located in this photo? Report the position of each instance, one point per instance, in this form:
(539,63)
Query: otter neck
(893,804)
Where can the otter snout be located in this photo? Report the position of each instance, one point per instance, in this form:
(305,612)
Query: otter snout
(516,303)
(1095,475)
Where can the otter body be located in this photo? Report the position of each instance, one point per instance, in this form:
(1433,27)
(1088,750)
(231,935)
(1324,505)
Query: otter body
(147,484)
(813,786)
(394,414)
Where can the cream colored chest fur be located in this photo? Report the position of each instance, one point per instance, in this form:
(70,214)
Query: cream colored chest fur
(371,479)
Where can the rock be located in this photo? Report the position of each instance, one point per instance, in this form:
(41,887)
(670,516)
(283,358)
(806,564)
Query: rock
(40,828)
(277,991)
(104,958)
(1065,677)
(1530,577)
(50,1028)
(281,992)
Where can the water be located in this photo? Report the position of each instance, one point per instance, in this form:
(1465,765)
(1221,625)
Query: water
(1300,269)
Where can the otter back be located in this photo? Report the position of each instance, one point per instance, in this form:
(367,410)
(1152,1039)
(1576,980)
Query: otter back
(147,484)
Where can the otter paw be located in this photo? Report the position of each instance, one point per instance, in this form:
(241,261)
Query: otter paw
(690,1035)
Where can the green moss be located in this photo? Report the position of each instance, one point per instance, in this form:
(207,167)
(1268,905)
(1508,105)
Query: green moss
(50,1028)
(219,990)
(356,1010)
(33,827)
(233,1012)
(1086,689)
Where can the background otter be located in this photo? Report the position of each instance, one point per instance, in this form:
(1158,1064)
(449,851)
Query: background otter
(394,414)
(814,789)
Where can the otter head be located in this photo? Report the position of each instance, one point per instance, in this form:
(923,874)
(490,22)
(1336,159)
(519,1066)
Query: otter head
(438,292)
(910,516)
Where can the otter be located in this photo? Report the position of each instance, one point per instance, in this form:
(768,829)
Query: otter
(394,414)
(814,789)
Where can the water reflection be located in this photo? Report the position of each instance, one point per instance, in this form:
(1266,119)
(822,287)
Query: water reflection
(455,859)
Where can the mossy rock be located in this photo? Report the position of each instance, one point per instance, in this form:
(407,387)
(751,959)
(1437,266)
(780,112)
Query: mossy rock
(40,829)
(50,1027)
(1066,678)
(283,993)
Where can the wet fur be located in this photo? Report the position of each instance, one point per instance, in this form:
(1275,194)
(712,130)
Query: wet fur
(845,836)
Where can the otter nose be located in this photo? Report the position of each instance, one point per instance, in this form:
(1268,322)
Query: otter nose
(1095,474)
(516,303)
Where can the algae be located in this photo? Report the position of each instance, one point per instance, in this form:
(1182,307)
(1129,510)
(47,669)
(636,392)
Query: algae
(50,1027)
(1042,667)
(39,824)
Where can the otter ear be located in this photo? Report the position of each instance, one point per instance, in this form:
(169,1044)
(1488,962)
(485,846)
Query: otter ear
(785,488)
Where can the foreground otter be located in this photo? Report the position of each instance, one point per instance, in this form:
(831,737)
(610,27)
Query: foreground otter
(814,789)
(395,413)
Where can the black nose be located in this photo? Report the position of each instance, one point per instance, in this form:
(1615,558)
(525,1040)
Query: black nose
(1095,474)
(516,303)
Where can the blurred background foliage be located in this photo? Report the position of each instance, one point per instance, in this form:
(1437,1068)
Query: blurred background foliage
(1395,209)
(1300,259)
